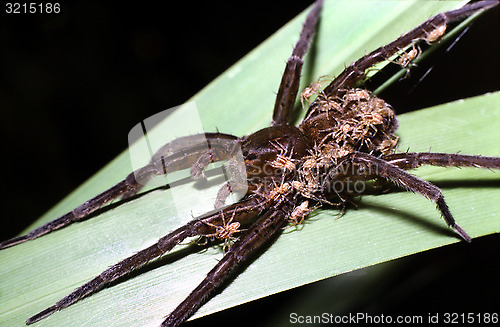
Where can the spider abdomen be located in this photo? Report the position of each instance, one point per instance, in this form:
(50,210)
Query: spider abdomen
(353,120)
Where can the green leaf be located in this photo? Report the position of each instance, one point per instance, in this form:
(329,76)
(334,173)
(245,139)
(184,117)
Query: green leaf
(38,273)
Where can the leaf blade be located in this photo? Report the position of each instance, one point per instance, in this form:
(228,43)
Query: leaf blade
(125,303)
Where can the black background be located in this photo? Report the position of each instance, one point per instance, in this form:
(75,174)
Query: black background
(73,84)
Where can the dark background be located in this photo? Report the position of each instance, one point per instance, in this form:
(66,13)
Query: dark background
(75,83)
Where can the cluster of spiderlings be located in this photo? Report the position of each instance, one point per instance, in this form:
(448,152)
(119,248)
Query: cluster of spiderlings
(355,121)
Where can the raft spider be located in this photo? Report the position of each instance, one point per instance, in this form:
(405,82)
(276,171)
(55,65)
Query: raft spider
(352,143)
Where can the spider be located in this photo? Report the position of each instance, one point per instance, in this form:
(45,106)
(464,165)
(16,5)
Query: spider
(347,135)
(225,231)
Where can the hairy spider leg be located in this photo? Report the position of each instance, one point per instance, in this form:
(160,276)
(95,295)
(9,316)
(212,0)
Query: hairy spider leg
(79,213)
(243,212)
(400,177)
(266,228)
(355,72)
(290,81)
(193,151)
(410,160)
(179,154)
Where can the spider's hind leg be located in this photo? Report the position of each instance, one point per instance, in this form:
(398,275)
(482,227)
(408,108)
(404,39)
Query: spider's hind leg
(243,213)
(380,168)
(260,233)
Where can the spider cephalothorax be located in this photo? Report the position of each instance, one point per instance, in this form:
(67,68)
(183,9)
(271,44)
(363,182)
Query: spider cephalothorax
(347,137)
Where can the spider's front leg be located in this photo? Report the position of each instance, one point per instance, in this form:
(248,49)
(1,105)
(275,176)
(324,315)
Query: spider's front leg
(290,81)
(243,212)
(185,152)
(377,167)
(429,31)
(411,160)
(260,233)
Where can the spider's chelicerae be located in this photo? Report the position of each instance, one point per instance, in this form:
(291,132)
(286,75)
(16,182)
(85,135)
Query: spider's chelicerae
(347,136)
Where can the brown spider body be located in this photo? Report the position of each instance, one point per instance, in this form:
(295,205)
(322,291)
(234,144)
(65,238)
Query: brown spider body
(347,137)
(355,121)
(261,155)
